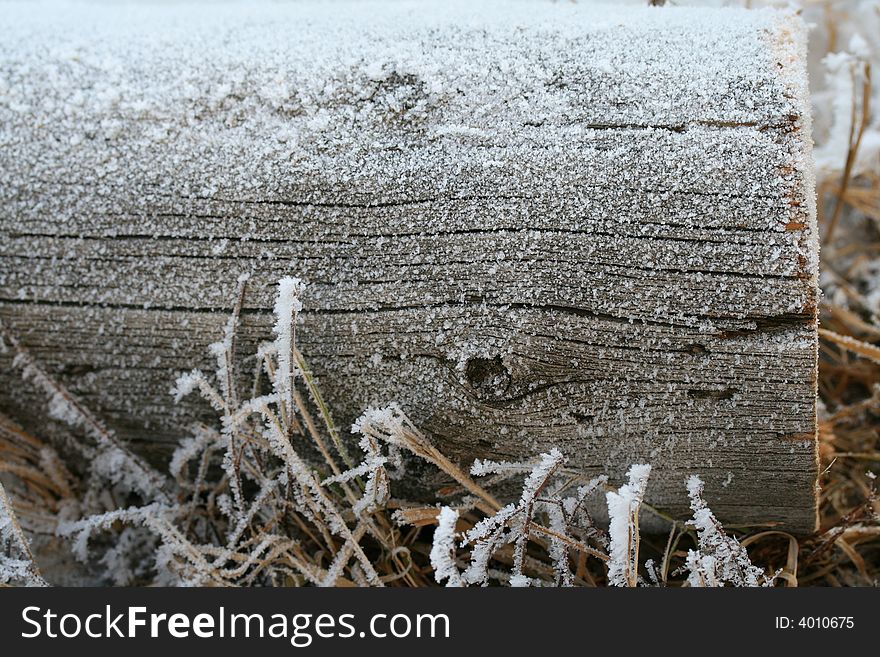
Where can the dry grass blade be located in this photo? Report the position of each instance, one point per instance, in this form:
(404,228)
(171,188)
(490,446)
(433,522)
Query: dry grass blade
(72,411)
(401,432)
(855,140)
(864,349)
(790,572)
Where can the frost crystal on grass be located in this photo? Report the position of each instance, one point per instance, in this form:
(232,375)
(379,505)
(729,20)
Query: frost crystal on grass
(287,306)
(443,548)
(17,564)
(186,384)
(517,524)
(623,513)
(720,558)
(110,458)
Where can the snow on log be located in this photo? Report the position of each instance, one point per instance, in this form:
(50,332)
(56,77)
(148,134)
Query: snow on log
(530,224)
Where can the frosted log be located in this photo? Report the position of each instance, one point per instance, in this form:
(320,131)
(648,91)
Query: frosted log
(530,224)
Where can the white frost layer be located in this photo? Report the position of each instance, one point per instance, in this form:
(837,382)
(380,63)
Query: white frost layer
(407,102)
(687,72)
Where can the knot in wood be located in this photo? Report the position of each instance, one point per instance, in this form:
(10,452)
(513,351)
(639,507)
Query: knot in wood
(488,378)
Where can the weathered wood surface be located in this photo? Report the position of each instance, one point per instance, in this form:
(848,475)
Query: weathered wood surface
(531,227)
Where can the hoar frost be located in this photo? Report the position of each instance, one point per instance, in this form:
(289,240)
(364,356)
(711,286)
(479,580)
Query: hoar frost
(623,513)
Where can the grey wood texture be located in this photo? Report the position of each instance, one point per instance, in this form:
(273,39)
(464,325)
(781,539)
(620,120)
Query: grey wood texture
(548,226)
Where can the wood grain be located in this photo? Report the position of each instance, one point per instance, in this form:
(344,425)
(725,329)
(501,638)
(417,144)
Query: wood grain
(530,230)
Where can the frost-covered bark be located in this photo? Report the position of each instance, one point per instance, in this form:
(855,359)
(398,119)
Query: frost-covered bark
(533,225)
